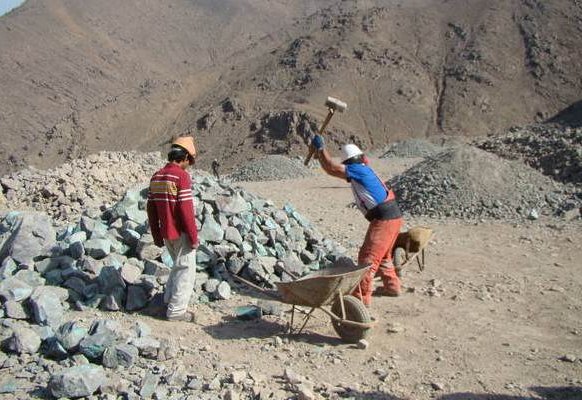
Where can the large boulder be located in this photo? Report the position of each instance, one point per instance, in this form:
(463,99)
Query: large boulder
(136,298)
(32,235)
(15,310)
(293,264)
(146,249)
(94,345)
(98,248)
(23,340)
(46,303)
(211,230)
(123,355)
(8,268)
(232,235)
(78,381)
(13,288)
(231,205)
(70,334)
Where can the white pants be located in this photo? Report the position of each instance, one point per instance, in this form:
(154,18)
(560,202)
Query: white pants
(181,281)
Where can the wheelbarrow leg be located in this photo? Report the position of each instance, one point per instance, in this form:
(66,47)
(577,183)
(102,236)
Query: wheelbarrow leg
(290,327)
(341,297)
(307,318)
(420,260)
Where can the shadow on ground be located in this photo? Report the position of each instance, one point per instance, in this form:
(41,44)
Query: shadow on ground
(546,393)
(571,116)
(232,328)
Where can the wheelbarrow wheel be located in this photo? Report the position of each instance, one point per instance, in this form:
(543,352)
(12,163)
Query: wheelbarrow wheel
(398,259)
(356,312)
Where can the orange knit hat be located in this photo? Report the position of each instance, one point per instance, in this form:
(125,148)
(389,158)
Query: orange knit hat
(187,143)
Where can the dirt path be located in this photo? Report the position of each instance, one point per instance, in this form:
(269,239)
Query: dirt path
(494,311)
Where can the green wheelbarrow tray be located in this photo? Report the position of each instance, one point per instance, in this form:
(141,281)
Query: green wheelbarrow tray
(350,318)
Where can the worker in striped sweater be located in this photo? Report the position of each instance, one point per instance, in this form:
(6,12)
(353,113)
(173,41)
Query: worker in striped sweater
(171,216)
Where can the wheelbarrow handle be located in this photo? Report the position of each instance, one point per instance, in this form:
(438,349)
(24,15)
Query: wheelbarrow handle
(260,289)
(291,274)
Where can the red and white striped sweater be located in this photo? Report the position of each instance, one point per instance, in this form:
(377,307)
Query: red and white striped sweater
(170,205)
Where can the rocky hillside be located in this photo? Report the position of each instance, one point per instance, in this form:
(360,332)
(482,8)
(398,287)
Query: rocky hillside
(91,77)
(81,77)
(557,152)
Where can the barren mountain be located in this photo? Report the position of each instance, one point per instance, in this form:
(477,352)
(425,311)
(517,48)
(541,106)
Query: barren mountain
(83,76)
(249,77)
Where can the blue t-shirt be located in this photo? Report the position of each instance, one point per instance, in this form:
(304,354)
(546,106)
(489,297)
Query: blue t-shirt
(368,189)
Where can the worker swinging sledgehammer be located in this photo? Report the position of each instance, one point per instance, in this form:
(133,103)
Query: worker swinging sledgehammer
(378,204)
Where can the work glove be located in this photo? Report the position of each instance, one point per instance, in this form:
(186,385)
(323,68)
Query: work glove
(317,142)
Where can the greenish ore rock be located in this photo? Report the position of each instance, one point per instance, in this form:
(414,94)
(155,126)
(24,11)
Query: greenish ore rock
(77,381)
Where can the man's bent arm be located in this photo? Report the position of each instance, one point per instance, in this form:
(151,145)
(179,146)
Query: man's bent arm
(332,168)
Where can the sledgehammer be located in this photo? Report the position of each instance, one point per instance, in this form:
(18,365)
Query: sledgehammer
(332,105)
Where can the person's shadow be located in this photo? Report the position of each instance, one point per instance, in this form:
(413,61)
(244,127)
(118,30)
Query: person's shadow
(548,393)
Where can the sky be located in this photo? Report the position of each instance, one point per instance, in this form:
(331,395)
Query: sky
(7,5)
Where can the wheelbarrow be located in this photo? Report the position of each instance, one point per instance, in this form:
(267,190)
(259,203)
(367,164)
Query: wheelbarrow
(410,246)
(319,290)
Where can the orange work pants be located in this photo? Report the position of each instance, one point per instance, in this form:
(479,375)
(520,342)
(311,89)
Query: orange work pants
(376,251)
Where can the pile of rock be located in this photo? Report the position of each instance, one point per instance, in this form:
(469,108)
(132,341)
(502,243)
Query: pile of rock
(554,150)
(271,168)
(87,183)
(79,359)
(109,260)
(411,148)
(69,358)
(466,182)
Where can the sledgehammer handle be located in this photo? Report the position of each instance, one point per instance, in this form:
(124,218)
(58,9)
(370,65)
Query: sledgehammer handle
(321,130)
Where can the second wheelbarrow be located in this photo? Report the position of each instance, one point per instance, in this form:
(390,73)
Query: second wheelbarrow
(319,290)
(410,246)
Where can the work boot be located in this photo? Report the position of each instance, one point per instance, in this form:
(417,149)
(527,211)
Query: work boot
(390,292)
(391,283)
(186,317)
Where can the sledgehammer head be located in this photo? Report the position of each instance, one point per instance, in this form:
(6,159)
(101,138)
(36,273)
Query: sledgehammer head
(335,104)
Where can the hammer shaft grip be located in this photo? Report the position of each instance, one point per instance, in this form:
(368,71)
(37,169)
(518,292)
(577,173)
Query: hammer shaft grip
(321,130)
(311,152)
(327,119)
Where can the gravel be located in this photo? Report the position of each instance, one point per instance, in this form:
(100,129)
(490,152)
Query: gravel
(271,168)
(411,148)
(466,182)
(551,149)
(90,183)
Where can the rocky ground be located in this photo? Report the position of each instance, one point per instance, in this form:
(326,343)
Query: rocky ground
(271,168)
(495,314)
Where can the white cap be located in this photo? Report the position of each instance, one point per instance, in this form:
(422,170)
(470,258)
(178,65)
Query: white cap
(349,151)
